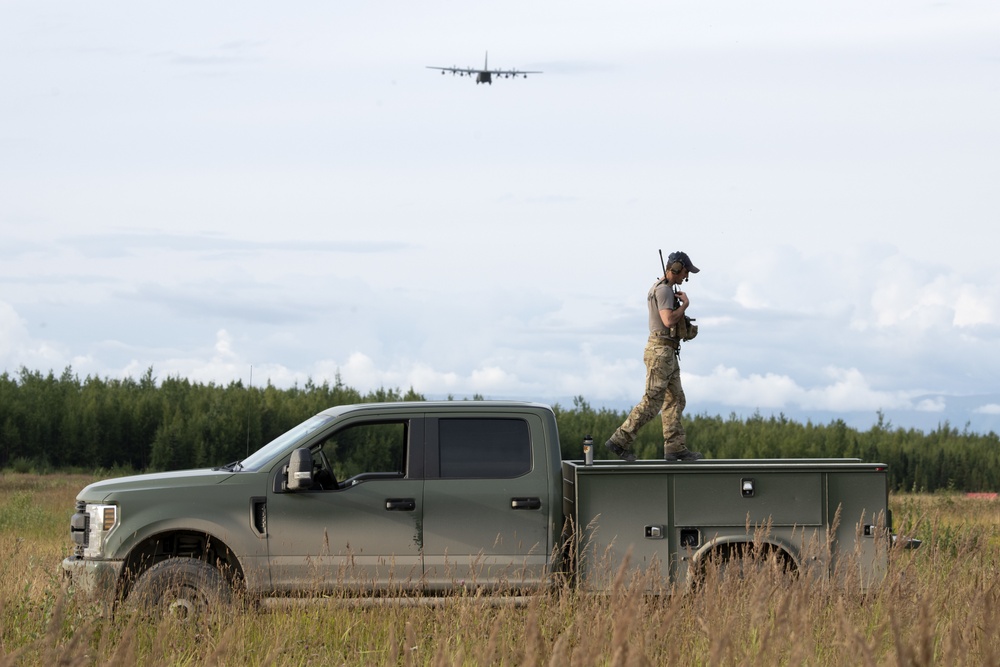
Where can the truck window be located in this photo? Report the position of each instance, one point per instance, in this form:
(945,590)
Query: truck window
(376,447)
(483,448)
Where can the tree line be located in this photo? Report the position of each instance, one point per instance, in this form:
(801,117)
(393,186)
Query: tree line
(50,423)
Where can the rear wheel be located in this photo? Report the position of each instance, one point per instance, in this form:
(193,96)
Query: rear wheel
(185,589)
(744,561)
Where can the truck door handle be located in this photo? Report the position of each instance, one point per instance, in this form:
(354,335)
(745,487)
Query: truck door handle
(525,503)
(400,504)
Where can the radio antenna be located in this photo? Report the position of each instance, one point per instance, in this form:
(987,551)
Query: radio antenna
(662,265)
(249,405)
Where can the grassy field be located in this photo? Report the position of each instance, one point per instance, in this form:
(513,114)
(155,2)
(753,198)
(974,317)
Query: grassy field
(939,605)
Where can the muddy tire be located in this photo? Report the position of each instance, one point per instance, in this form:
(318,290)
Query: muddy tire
(186,589)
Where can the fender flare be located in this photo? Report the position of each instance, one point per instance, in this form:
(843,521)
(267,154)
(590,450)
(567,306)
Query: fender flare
(136,547)
(701,555)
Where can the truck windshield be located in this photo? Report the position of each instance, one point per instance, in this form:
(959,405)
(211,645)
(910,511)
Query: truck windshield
(297,434)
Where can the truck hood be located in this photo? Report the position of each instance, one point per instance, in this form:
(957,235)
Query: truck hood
(178,479)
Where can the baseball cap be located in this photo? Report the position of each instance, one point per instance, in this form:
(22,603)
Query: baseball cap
(683,259)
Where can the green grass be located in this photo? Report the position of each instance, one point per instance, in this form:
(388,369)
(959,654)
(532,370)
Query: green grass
(939,605)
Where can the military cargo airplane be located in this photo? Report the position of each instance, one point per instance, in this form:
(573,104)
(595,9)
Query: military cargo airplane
(485,75)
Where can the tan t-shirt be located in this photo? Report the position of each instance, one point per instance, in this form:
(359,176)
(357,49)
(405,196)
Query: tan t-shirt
(660,297)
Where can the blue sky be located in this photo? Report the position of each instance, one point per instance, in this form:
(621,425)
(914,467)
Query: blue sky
(203,187)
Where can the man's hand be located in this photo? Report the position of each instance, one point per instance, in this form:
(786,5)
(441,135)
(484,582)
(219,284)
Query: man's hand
(670,318)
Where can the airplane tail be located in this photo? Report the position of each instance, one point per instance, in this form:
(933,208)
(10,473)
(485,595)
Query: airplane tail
(486,62)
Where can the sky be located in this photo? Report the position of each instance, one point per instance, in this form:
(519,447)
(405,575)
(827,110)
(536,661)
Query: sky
(265,192)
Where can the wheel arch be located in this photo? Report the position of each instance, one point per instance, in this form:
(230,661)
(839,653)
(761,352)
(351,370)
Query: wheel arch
(724,546)
(178,542)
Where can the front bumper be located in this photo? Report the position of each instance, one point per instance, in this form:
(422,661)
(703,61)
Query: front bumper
(97,578)
(906,542)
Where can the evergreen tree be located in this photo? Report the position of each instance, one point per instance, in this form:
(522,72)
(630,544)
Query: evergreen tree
(49,422)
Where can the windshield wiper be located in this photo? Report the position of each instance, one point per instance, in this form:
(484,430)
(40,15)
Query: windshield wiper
(234,466)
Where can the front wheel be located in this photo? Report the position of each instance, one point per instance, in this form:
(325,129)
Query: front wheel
(180,588)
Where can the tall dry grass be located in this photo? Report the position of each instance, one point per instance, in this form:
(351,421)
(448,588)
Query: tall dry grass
(938,605)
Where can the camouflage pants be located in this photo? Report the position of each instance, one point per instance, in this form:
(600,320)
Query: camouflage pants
(663,394)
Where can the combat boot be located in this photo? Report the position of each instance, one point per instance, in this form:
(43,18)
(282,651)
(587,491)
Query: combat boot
(626,455)
(683,454)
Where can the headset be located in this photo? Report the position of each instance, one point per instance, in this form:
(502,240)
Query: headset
(677,263)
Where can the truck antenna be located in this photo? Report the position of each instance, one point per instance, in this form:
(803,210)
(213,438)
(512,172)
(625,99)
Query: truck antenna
(249,399)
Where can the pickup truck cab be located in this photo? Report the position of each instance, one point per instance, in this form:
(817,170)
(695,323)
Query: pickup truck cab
(437,497)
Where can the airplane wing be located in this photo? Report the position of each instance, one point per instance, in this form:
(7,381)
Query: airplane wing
(485,75)
(499,73)
(461,71)
(508,73)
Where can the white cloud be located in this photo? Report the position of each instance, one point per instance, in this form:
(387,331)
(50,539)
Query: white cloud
(847,390)
(360,371)
(988,409)
(850,390)
(904,297)
(729,387)
(748,297)
(492,378)
(407,229)
(935,404)
(12,332)
(436,382)
(19,348)
(223,346)
(976,304)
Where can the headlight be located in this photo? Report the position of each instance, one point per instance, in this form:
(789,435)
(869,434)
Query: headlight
(91,525)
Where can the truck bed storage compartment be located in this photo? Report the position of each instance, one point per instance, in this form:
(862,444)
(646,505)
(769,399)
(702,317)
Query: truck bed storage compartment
(621,515)
(721,499)
(666,519)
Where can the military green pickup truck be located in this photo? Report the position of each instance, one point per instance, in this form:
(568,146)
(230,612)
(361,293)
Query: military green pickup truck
(423,499)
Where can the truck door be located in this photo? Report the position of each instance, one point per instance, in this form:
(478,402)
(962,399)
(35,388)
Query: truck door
(485,505)
(359,527)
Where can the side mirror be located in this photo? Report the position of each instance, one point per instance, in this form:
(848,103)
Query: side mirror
(300,470)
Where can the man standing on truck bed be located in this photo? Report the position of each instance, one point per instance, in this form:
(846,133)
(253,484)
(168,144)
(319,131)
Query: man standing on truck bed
(663,375)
